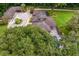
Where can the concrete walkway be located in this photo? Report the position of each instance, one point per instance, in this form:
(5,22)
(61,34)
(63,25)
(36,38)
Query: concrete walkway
(55,9)
(64,10)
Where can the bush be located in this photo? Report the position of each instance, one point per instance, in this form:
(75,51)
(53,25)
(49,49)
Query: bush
(69,44)
(28,40)
(1,22)
(18,21)
(23,7)
(70,41)
(5,19)
(73,24)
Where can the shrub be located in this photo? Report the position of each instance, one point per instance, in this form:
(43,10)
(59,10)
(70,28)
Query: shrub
(18,21)
(69,44)
(1,22)
(28,40)
(70,41)
(23,7)
(73,24)
(5,19)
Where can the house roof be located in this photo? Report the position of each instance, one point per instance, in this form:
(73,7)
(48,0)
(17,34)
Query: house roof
(22,15)
(45,21)
(39,13)
(11,11)
(39,18)
(42,25)
(49,21)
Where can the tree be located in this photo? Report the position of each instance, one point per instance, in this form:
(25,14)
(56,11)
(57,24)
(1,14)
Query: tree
(70,41)
(29,40)
(23,7)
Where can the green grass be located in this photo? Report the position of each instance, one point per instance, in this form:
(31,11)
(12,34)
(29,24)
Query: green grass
(61,17)
(2,29)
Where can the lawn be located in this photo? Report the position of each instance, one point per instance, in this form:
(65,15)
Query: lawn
(61,17)
(2,29)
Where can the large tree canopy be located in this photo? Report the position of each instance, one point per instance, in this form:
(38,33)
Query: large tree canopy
(29,40)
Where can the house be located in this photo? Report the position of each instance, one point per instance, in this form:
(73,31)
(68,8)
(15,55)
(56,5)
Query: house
(39,18)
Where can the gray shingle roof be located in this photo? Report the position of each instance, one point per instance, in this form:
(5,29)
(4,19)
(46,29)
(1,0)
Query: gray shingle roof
(11,11)
(42,20)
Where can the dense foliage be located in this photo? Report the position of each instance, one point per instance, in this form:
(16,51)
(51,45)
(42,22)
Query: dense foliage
(29,40)
(18,21)
(70,41)
(5,6)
